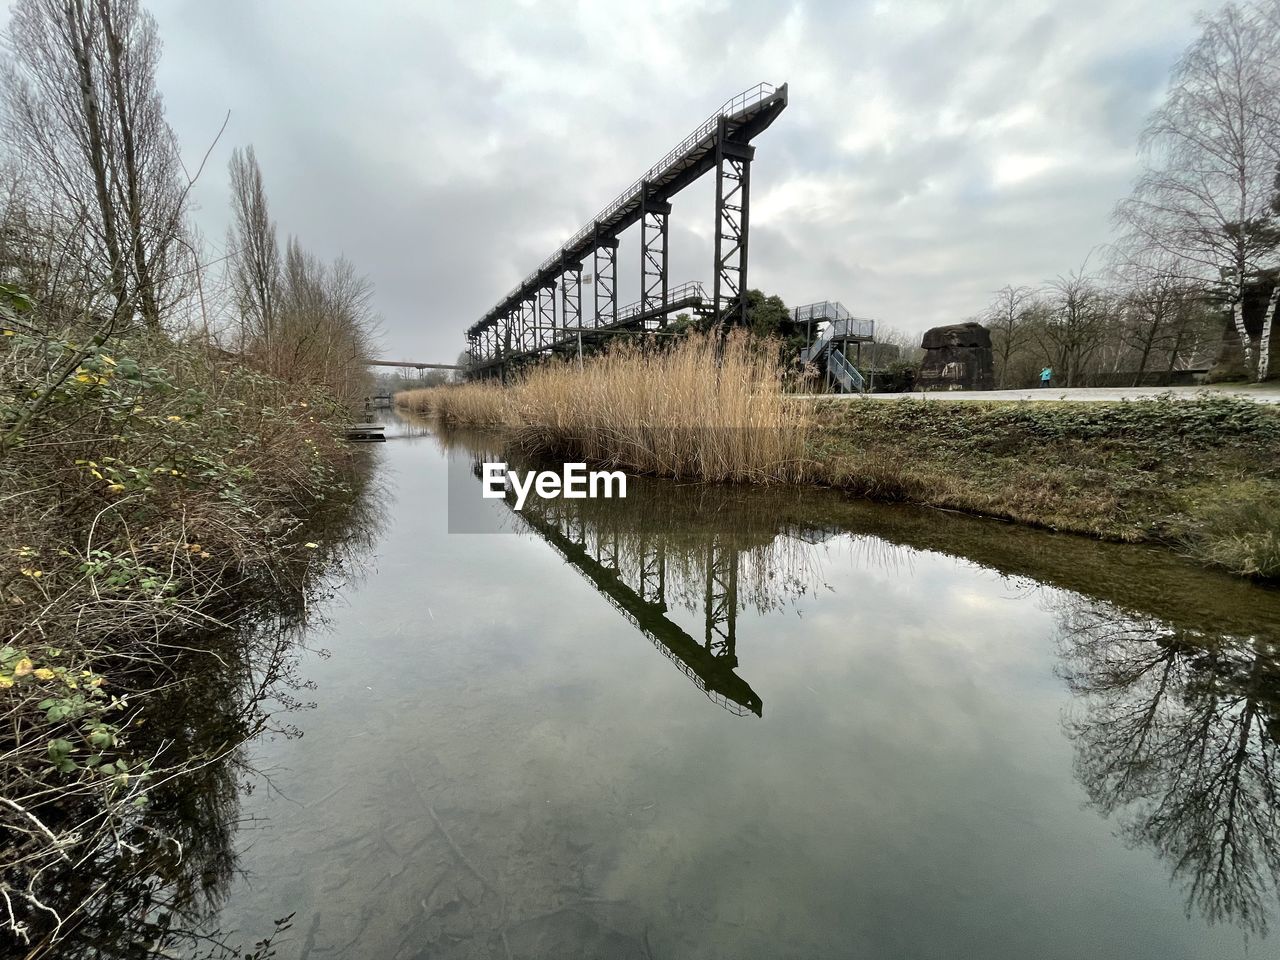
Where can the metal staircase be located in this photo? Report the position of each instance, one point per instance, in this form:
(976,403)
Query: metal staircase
(845,374)
(840,327)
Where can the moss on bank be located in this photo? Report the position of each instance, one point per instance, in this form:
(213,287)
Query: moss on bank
(1202,476)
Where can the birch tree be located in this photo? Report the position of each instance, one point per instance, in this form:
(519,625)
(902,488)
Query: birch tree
(1205,196)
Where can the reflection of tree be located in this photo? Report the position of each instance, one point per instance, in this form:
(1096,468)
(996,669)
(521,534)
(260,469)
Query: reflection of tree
(1177,734)
(149,888)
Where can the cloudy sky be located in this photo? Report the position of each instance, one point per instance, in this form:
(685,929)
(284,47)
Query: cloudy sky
(931,152)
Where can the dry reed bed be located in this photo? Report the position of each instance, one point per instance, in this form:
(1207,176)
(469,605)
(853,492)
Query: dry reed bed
(683,413)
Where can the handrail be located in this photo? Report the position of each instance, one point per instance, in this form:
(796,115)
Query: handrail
(848,374)
(686,291)
(840,325)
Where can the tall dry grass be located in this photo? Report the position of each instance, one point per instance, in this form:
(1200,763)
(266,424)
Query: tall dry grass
(680,412)
(480,404)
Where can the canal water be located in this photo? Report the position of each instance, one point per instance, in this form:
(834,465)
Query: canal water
(708,722)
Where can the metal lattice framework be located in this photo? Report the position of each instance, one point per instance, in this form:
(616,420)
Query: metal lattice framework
(710,665)
(722,142)
(571,295)
(604,260)
(733,195)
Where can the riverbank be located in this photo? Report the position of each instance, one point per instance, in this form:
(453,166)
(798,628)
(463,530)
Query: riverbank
(1200,476)
(157,497)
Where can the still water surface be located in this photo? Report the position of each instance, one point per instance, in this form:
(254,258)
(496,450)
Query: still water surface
(726,723)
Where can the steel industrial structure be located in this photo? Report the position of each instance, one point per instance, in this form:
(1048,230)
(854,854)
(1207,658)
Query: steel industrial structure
(524,323)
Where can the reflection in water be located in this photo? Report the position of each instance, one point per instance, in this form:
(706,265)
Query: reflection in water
(502,792)
(154,893)
(1176,723)
(1176,732)
(655,548)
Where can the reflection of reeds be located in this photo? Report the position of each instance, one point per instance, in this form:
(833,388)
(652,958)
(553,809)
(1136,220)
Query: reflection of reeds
(690,412)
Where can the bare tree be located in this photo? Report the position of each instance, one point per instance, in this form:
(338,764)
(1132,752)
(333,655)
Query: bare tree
(1211,152)
(254,262)
(324,325)
(1077,316)
(82,109)
(465,362)
(1006,318)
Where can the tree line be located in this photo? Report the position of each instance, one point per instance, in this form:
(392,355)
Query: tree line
(95,211)
(1192,278)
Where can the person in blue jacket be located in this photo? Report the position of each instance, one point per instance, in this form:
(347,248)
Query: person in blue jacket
(1045,376)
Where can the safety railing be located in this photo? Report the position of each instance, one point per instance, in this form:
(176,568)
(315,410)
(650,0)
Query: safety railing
(846,373)
(687,294)
(846,327)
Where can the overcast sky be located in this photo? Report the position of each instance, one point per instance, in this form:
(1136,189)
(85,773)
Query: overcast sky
(931,152)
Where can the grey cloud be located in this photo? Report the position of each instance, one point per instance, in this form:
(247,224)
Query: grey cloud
(447,148)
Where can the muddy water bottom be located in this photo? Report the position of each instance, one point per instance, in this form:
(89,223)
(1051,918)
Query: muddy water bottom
(724,723)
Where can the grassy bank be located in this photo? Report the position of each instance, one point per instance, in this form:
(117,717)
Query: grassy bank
(1202,476)
(151,492)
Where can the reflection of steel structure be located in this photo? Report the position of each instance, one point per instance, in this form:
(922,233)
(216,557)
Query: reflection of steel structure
(721,143)
(594,553)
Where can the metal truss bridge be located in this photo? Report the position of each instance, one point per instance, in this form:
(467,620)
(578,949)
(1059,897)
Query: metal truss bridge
(526,323)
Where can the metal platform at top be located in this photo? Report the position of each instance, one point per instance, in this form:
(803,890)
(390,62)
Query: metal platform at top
(745,116)
(855,328)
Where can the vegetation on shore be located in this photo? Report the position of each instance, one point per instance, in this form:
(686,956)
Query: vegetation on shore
(699,411)
(159,489)
(1201,476)
(168,447)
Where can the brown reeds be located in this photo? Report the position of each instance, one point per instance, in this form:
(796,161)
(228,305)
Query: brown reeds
(692,412)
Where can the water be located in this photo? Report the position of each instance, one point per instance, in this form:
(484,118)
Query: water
(789,725)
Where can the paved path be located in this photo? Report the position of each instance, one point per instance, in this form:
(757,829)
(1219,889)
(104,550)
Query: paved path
(1262,393)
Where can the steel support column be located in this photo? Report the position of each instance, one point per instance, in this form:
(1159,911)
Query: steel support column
(653,573)
(604,262)
(508,324)
(529,323)
(654,214)
(545,318)
(733,194)
(722,601)
(570,294)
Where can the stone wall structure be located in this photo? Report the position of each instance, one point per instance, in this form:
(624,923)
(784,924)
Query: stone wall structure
(957,357)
